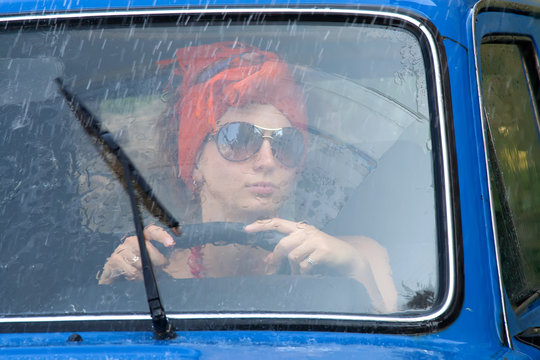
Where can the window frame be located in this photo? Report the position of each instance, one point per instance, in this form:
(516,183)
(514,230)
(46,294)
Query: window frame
(498,20)
(445,178)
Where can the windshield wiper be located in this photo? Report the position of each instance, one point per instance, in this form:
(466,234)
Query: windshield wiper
(163,329)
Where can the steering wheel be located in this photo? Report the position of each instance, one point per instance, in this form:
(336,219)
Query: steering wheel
(274,293)
(224,233)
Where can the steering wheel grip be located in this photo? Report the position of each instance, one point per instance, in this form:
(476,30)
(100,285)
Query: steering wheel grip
(221,233)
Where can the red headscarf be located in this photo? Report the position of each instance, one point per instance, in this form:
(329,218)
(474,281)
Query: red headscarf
(223,75)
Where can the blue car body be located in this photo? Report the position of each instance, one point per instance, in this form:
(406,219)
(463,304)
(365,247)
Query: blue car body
(479,321)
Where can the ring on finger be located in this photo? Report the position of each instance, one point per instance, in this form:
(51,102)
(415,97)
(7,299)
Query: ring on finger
(302,224)
(310,261)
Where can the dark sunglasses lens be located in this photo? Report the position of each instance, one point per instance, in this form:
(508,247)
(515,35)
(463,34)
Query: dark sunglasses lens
(288,146)
(238,141)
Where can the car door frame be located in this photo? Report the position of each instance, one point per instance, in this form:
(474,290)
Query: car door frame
(500,19)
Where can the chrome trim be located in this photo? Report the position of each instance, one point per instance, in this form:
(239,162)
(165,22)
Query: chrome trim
(488,176)
(445,161)
(60,318)
(477,7)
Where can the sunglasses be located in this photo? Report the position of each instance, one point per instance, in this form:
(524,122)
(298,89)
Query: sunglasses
(238,141)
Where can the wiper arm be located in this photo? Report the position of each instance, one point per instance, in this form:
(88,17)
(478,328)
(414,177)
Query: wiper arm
(163,329)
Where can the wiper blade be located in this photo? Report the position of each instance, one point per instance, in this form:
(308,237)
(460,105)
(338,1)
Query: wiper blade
(163,329)
(92,124)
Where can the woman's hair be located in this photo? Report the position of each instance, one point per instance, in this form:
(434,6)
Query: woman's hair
(219,76)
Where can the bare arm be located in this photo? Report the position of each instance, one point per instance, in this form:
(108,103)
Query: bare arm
(311,251)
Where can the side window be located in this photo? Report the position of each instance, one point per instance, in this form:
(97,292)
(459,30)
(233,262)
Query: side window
(510,88)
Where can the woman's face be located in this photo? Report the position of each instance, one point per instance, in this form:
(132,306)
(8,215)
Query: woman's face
(247,190)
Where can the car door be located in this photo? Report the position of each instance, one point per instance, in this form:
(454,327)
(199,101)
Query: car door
(508,63)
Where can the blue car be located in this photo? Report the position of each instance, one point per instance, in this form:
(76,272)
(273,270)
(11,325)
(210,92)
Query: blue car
(268,179)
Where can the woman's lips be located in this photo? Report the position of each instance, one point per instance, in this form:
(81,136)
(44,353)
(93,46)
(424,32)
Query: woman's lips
(262,188)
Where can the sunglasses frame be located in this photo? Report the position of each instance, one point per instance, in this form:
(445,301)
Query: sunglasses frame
(265,133)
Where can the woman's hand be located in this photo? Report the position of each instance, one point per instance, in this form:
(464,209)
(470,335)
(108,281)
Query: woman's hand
(311,251)
(126,260)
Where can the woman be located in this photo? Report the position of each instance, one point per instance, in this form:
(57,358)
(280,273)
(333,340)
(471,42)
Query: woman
(241,145)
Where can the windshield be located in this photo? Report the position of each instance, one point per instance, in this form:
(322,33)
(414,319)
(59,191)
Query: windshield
(317,133)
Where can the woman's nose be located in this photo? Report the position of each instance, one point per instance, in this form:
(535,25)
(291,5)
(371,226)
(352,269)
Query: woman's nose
(265,157)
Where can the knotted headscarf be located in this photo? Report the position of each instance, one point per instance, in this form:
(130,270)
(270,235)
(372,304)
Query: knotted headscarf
(219,76)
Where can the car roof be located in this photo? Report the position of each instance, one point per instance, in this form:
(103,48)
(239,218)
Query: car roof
(450,18)
(438,11)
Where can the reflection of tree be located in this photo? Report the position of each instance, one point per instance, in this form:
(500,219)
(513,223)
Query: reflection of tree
(517,151)
(521,177)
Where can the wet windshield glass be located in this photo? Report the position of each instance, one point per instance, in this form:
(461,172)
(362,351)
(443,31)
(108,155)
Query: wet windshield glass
(315,133)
